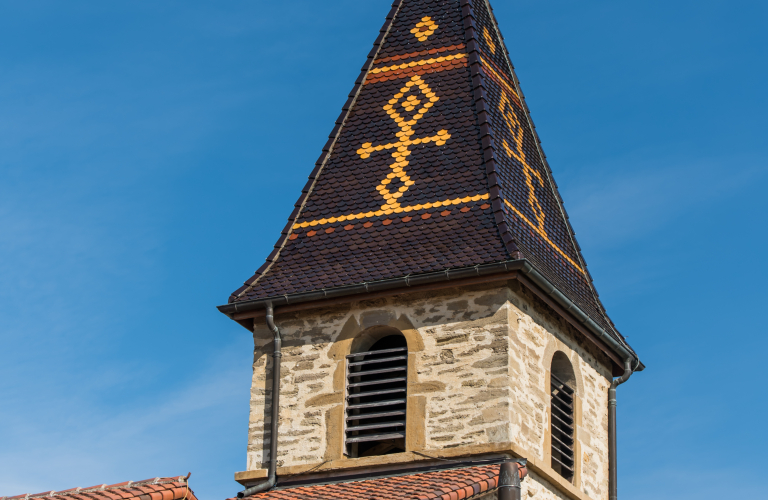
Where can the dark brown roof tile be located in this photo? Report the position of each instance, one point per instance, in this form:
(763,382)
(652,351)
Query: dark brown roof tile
(439,125)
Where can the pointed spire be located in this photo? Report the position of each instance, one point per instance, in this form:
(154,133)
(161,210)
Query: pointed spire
(434,164)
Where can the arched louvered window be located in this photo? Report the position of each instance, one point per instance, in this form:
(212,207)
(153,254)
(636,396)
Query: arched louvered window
(376,398)
(562,421)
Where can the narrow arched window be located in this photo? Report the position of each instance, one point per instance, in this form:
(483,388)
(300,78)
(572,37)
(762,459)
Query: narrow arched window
(562,421)
(376,398)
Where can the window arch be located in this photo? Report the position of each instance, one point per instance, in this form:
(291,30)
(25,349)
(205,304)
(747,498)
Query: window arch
(376,395)
(563,424)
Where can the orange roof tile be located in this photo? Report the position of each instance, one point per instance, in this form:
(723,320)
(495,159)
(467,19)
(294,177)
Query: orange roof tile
(161,488)
(451,484)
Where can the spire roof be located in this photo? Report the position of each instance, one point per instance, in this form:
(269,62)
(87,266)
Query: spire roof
(434,164)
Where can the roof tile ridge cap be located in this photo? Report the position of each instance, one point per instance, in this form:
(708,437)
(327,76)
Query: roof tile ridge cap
(486,130)
(325,155)
(534,132)
(550,176)
(106,487)
(537,139)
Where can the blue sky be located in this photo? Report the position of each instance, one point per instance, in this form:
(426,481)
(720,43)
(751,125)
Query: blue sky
(150,153)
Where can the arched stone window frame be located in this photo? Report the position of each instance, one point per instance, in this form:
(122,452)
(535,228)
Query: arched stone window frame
(553,348)
(358,335)
(376,420)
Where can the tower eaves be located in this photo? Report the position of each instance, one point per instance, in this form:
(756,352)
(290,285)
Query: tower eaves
(434,164)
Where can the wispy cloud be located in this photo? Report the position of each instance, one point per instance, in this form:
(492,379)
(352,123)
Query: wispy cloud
(621,205)
(156,433)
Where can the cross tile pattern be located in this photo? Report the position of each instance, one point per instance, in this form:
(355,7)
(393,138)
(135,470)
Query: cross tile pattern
(433,164)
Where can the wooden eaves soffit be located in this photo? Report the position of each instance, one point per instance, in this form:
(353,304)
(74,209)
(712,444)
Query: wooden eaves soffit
(434,164)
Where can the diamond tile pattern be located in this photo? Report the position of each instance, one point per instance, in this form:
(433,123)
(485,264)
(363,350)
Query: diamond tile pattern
(161,488)
(433,164)
(453,484)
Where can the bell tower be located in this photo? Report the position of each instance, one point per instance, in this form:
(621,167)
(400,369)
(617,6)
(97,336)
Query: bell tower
(426,324)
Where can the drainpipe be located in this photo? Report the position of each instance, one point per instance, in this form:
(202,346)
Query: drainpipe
(276,355)
(510,475)
(612,449)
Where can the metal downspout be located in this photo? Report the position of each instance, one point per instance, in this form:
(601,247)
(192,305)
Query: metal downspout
(511,473)
(275,414)
(612,448)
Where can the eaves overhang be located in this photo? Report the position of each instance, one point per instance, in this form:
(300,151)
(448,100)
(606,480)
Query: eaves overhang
(521,269)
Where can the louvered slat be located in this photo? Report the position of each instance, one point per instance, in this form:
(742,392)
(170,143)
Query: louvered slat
(380,360)
(382,351)
(382,425)
(563,422)
(396,413)
(377,372)
(377,382)
(560,397)
(376,402)
(562,427)
(374,393)
(562,384)
(375,437)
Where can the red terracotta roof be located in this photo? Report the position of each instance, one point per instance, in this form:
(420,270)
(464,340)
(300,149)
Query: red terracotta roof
(453,484)
(434,164)
(160,488)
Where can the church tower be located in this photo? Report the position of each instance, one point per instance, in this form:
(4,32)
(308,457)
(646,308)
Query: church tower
(426,326)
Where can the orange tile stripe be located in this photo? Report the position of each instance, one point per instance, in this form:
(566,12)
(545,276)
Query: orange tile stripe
(422,62)
(377,213)
(489,40)
(544,236)
(385,222)
(421,53)
(500,79)
(419,67)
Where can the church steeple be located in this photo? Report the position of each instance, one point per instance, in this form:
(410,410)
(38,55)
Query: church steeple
(427,300)
(434,164)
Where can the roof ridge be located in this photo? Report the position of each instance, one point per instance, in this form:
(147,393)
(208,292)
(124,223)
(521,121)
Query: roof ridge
(104,487)
(486,130)
(325,155)
(505,60)
(545,163)
(526,111)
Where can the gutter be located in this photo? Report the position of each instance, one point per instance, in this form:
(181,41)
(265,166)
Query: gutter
(511,474)
(621,350)
(275,415)
(373,286)
(613,473)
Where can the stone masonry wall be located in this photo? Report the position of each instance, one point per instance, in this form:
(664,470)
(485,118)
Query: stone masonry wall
(534,487)
(479,360)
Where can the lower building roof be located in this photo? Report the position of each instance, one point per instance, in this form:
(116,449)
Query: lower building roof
(451,484)
(159,488)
